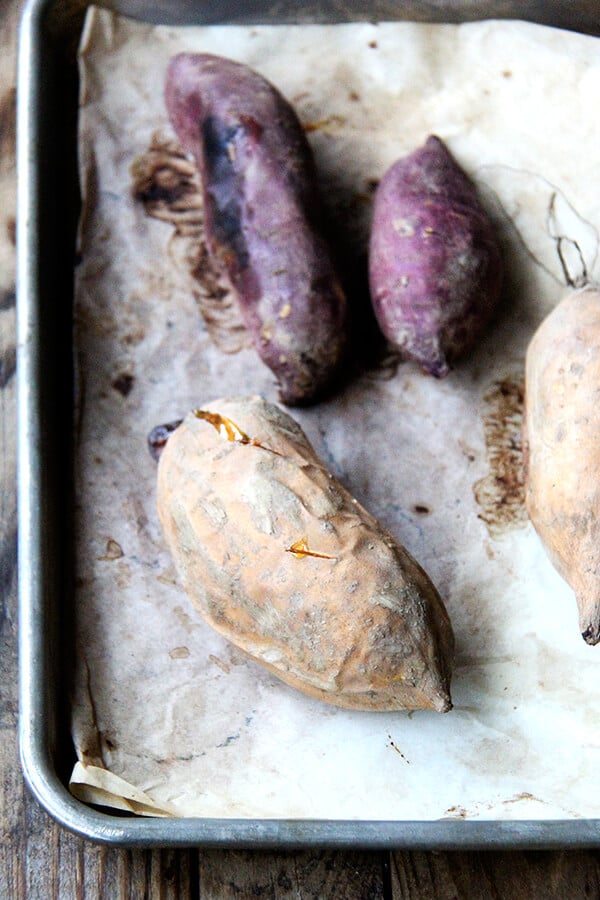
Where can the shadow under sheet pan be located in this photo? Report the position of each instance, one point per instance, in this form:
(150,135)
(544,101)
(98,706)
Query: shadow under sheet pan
(49,205)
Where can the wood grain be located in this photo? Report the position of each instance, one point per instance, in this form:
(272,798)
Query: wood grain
(501,876)
(311,875)
(40,861)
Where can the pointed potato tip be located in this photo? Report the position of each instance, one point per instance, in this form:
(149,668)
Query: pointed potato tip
(438,368)
(439,699)
(591,634)
(443,703)
(431,361)
(589,616)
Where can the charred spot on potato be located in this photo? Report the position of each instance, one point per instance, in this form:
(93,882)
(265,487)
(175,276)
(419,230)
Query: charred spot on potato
(224,188)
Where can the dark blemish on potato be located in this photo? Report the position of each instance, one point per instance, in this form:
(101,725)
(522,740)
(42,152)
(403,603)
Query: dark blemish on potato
(354,96)
(421,509)
(123,383)
(167,184)
(500,494)
(225,186)
(179,652)
(373,45)
(507,73)
(113,551)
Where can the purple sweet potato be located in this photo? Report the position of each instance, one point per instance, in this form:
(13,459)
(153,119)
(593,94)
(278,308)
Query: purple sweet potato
(434,261)
(263,217)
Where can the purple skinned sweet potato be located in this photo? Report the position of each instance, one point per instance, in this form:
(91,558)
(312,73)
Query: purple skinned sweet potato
(435,267)
(263,217)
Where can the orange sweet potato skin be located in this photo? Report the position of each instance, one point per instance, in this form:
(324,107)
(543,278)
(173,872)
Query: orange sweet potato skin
(562,447)
(359,625)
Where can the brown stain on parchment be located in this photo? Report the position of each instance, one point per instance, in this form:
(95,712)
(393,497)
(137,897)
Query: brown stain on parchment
(330,125)
(500,494)
(459,812)
(219,662)
(123,383)
(8,114)
(167,184)
(113,551)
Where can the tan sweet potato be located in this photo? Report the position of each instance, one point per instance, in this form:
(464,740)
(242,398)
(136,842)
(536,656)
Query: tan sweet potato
(279,558)
(562,447)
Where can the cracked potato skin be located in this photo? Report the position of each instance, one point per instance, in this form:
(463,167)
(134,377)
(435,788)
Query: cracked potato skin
(263,217)
(351,619)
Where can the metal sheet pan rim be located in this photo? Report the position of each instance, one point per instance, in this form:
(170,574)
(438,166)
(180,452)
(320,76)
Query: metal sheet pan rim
(35,671)
(292,833)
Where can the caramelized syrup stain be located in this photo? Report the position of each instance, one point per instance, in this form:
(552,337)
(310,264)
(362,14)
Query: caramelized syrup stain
(167,184)
(500,494)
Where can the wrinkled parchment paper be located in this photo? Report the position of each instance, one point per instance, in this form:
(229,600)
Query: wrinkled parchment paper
(167,717)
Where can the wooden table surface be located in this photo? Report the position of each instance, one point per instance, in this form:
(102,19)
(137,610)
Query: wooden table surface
(39,859)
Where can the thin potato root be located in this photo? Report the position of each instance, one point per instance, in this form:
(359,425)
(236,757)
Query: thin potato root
(280,559)
(562,447)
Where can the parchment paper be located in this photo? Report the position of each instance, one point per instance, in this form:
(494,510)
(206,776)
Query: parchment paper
(160,701)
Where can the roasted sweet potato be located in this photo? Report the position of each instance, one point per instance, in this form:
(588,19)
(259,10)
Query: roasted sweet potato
(434,259)
(281,560)
(263,217)
(562,446)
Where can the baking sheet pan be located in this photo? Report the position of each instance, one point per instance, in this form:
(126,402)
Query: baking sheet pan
(45,411)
